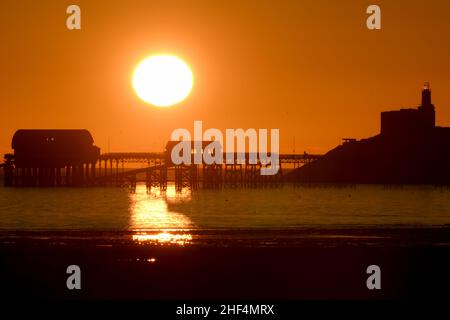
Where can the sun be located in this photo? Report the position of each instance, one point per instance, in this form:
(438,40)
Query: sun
(163,80)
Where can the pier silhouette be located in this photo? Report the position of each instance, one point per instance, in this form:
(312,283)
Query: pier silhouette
(56,158)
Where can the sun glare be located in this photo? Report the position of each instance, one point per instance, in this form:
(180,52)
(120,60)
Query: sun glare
(162,80)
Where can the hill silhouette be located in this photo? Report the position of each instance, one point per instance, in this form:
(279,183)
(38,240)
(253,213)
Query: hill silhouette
(410,149)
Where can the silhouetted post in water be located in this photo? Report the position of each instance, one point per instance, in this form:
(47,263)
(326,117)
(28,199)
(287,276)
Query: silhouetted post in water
(34,177)
(58,177)
(86,173)
(178,178)
(106,169)
(212,176)
(93,174)
(9,170)
(233,175)
(163,177)
(111,171)
(252,174)
(193,176)
(67,176)
(75,175)
(116,176)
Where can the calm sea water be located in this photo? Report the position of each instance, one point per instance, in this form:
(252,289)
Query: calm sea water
(287,207)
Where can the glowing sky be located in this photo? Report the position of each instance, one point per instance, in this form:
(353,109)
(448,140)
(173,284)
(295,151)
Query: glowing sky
(310,68)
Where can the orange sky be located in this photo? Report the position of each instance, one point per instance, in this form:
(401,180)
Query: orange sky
(310,68)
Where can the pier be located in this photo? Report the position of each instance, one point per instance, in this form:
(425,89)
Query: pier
(115,169)
(57,158)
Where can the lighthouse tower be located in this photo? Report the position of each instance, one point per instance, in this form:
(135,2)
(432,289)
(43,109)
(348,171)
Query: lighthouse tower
(426,109)
(411,122)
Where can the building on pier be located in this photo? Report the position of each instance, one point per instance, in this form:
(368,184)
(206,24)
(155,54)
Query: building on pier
(48,158)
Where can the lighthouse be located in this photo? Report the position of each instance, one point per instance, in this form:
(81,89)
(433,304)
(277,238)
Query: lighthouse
(426,109)
(405,123)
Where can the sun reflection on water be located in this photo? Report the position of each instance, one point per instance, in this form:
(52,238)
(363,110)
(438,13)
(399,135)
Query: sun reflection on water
(163,238)
(153,222)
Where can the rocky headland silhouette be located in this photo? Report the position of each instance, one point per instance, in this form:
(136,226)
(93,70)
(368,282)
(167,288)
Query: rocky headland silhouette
(410,149)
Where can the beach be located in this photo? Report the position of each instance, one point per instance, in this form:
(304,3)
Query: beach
(326,263)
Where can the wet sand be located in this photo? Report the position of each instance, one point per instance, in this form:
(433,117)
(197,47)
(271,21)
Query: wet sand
(309,263)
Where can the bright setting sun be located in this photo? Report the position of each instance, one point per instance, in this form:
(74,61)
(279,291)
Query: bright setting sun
(162,80)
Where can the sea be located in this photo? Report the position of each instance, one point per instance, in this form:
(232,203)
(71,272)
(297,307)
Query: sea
(287,207)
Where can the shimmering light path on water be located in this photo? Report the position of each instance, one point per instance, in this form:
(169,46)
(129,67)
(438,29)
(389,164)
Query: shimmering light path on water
(270,208)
